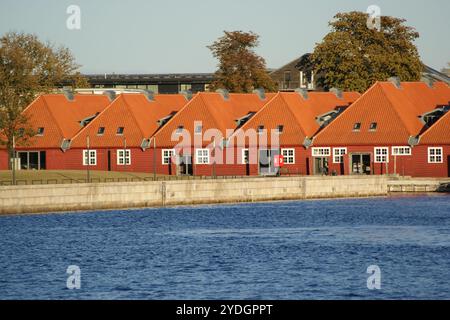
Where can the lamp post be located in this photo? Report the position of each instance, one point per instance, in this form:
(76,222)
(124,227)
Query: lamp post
(154,158)
(88,159)
(13,165)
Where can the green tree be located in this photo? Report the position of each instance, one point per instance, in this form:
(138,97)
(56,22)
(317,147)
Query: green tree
(353,56)
(28,68)
(240,68)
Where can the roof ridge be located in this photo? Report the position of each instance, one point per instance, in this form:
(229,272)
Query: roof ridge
(293,114)
(396,110)
(91,123)
(53,117)
(133,116)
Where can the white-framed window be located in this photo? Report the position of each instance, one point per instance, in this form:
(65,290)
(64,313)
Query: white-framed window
(435,155)
(401,151)
(166,155)
(338,155)
(245,156)
(381,155)
(202,156)
(89,157)
(321,152)
(288,156)
(123,157)
(198,129)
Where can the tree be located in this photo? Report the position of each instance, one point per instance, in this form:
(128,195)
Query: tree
(28,68)
(240,68)
(353,56)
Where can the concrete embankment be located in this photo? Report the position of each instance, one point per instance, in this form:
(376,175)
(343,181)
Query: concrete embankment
(96,196)
(421,185)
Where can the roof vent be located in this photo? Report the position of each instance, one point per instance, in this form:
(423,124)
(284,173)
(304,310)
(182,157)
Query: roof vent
(429,82)
(395,81)
(68,93)
(65,145)
(110,94)
(413,141)
(224,93)
(260,92)
(337,92)
(307,142)
(145,144)
(302,92)
(187,94)
(149,95)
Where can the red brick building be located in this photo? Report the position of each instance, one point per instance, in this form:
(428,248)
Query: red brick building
(379,133)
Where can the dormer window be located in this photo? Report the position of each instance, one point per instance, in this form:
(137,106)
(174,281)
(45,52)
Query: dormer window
(357,126)
(260,129)
(373,126)
(280,129)
(40,131)
(101,131)
(120,131)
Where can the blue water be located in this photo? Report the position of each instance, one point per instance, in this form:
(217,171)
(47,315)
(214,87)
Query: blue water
(280,250)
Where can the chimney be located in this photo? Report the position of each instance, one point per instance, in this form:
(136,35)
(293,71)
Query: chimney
(302,92)
(337,92)
(68,93)
(111,94)
(187,94)
(428,81)
(396,82)
(149,95)
(260,92)
(224,93)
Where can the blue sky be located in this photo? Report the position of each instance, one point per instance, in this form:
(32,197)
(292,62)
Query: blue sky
(148,36)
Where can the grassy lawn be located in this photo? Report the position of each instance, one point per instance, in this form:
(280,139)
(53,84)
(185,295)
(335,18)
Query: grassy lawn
(28,177)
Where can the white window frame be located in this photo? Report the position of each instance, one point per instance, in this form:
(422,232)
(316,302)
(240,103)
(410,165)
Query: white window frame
(321,152)
(123,157)
(288,158)
(245,159)
(396,151)
(198,127)
(381,157)
(433,158)
(166,154)
(202,156)
(338,155)
(92,157)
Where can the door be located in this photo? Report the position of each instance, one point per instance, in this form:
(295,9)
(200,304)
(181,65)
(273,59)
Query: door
(186,165)
(266,162)
(109,160)
(448,166)
(360,163)
(321,165)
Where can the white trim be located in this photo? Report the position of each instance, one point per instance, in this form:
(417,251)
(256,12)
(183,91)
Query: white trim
(381,157)
(243,156)
(92,156)
(204,156)
(395,151)
(321,152)
(124,155)
(435,156)
(340,155)
(286,157)
(170,154)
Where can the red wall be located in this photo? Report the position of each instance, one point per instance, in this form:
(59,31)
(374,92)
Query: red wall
(415,165)
(3,159)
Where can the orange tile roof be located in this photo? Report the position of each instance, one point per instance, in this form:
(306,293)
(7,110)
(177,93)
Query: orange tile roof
(395,110)
(296,114)
(135,113)
(60,117)
(438,133)
(213,111)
